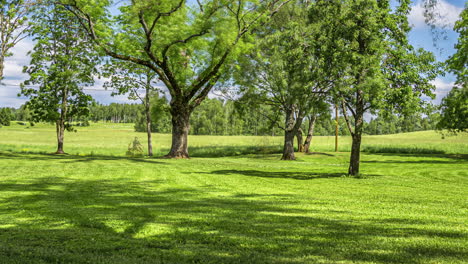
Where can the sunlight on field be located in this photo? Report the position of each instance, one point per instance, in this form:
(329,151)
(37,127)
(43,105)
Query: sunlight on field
(113,139)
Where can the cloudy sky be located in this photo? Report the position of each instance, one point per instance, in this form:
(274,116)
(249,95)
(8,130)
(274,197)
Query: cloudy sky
(420,36)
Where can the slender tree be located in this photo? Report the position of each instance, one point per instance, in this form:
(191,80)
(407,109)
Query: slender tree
(138,82)
(380,70)
(62,62)
(189,46)
(13,27)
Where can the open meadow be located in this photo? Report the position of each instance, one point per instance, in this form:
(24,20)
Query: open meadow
(234,201)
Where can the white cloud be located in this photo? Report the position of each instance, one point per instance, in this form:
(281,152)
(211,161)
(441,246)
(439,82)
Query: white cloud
(442,89)
(13,72)
(447,14)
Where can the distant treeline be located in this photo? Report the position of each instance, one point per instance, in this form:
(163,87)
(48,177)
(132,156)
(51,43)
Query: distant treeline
(227,117)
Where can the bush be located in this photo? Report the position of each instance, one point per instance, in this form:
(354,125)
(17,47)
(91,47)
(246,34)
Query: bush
(135,149)
(5,116)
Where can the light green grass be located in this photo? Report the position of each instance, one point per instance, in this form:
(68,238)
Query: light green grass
(113,139)
(407,208)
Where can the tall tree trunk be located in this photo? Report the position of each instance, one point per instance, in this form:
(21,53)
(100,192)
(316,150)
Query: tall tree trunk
(180,130)
(148,122)
(310,133)
(300,139)
(61,122)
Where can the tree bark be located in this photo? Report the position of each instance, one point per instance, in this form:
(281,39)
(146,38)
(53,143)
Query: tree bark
(292,124)
(180,130)
(2,66)
(148,122)
(60,126)
(355,155)
(356,145)
(310,133)
(300,139)
(61,122)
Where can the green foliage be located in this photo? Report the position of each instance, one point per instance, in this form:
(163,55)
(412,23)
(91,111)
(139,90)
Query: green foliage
(455,111)
(62,62)
(455,105)
(5,116)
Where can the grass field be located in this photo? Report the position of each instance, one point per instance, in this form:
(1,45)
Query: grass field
(408,207)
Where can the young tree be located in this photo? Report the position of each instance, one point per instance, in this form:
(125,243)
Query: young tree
(380,70)
(13,27)
(189,46)
(62,62)
(132,79)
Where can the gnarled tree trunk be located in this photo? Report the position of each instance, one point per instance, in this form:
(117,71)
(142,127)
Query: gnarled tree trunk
(292,124)
(310,133)
(180,130)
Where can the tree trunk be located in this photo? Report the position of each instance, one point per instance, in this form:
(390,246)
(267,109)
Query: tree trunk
(61,122)
(310,133)
(180,130)
(60,126)
(148,122)
(292,124)
(288,148)
(2,66)
(355,155)
(356,145)
(300,139)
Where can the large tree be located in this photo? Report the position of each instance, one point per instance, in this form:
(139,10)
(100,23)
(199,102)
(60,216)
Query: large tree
(291,69)
(188,45)
(62,62)
(13,27)
(380,71)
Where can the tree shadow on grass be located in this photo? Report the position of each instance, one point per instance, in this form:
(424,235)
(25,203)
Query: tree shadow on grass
(57,220)
(425,158)
(280,174)
(68,158)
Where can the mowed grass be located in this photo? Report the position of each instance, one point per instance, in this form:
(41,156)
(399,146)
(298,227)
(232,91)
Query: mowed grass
(254,208)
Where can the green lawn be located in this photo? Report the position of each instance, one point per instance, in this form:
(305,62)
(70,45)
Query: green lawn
(106,208)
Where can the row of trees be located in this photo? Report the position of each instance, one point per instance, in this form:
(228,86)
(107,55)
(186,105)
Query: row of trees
(227,117)
(294,57)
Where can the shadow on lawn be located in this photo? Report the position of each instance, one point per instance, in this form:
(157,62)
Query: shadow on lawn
(281,174)
(426,158)
(68,158)
(69,221)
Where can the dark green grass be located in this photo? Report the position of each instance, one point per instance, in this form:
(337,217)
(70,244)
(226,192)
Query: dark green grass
(407,208)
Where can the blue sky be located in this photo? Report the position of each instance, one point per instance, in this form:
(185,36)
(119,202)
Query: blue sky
(420,36)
